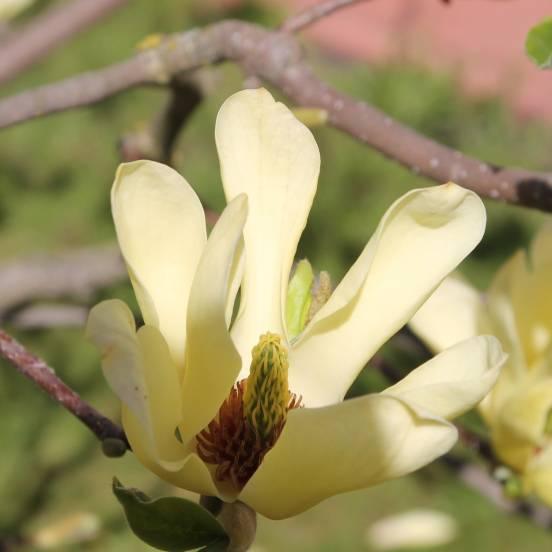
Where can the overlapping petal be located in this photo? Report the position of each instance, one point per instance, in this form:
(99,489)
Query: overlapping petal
(326,451)
(450,315)
(455,380)
(532,300)
(212,361)
(525,414)
(268,154)
(423,236)
(140,370)
(161,231)
(187,473)
(499,318)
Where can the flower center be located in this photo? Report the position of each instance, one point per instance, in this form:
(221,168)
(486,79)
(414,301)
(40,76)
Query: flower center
(251,419)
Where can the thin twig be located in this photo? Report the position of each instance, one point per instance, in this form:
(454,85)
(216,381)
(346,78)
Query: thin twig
(42,375)
(25,46)
(156,141)
(39,316)
(314,13)
(277,58)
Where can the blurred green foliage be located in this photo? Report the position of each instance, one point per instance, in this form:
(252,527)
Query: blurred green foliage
(55,177)
(538,44)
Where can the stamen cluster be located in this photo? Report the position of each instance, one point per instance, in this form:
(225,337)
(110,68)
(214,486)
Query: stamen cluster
(253,416)
(231,443)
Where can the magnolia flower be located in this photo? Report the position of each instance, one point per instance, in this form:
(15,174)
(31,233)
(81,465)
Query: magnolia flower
(518,309)
(235,405)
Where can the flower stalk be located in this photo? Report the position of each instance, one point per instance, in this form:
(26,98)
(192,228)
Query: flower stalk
(238,519)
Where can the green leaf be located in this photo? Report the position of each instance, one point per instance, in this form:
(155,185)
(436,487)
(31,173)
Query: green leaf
(538,44)
(170,523)
(299,299)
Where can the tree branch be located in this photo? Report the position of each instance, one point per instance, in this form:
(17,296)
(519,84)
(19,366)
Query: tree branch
(157,140)
(70,274)
(277,58)
(25,46)
(42,375)
(314,13)
(39,316)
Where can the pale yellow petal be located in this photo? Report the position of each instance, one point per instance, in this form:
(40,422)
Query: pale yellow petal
(450,315)
(538,476)
(518,424)
(212,361)
(268,154)
(140,370)
(525,414)
(163,392)
(532,297)
(423,236)
(112,329)
(326,451)
(191,473)
(236,277)
(161,231)
(510,448)
(499,318)
(523,285)
(455,380)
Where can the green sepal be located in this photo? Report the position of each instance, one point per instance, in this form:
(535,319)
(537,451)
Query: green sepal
(170,523)
(538,44)
(299,298)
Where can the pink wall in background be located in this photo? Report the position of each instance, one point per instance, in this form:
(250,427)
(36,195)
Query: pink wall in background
(480,41)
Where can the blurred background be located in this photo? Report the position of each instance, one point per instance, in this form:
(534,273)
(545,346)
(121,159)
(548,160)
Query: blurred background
(454,71)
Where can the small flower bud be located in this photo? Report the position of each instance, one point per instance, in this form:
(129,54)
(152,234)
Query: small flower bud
(113,447)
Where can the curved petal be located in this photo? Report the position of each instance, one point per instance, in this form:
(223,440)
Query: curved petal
(140,370)
(191,473)
(268,154)
(326,451)
(449,316)
(212,361)
(161,231)
(513,450)
(163,392)
(422,237)
(525,414)
(499,318)
(531,297)
(455,380)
